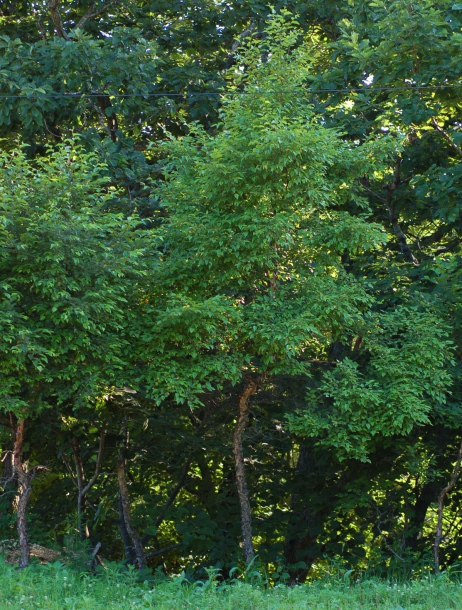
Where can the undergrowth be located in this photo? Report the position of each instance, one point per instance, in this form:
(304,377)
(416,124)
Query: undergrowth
(56,587)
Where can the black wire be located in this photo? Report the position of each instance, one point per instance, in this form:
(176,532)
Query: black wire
(187,94)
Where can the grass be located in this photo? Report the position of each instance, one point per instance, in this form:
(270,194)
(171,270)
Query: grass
(55,587)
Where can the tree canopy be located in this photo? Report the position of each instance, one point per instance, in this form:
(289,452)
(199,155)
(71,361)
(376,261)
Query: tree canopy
(230,270)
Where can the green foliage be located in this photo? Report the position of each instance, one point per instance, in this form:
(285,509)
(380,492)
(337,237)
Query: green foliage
(404,378)
(54,586)
(257,222)
(69,273)
(278,221)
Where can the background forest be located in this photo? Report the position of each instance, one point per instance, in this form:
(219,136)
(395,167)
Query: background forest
(230,282)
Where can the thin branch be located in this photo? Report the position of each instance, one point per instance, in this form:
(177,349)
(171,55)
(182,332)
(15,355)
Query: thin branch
(80,478)
(7,452)
(69,469)
(173,494)
(176,490)
(314,361)
(162,551)
(373,192)
(92,13)
(99,460)
(101,119)
(384,539)
(41,27)
(446,136)
(96,549)
(382,535)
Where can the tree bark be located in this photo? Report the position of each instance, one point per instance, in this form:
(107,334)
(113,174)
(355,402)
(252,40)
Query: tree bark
(24,489)
(441,497)
(53,5)
(129,549)
(125,501)
(241,483)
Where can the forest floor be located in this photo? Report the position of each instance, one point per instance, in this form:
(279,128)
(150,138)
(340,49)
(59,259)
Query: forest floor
(55,587)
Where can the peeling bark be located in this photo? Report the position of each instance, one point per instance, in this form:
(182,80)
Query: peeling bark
(25,479)
(241,483)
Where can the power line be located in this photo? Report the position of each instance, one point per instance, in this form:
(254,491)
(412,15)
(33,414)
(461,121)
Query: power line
(189,94)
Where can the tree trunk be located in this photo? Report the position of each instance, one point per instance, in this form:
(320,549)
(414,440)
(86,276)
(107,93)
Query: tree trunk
(300,544)
(24,489)
(82,488)
(441,497)
(125,501)
(129,549)
(80,478)
(241,483)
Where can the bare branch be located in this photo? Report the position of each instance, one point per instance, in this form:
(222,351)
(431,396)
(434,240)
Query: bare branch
(99,460)
(162,551)
(69,469)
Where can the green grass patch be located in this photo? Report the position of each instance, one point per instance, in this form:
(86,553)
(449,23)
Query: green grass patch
(55,587)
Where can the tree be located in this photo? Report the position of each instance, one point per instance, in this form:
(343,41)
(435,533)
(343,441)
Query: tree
(258,226)
(68,276)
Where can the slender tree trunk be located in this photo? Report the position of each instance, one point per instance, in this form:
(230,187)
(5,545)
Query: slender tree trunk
(241,483)
(441,497)
(129,549)
(125,501)
(80,479)
(82,488)
(24,489)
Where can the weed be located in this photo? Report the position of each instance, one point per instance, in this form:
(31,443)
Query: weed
(58,587)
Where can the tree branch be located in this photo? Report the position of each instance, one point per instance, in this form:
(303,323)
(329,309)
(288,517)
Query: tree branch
(99,460)
(53,5)
(162,551)
(173,494)
(93,13)
(446,136)
(69,469)
(405,249)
